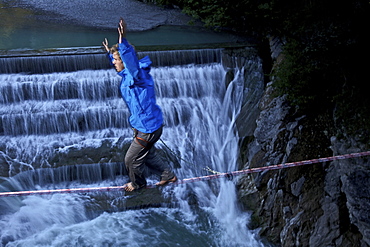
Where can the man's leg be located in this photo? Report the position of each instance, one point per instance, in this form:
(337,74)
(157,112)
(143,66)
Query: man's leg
(163,169)
(142,151)
(134,161)
(154,162)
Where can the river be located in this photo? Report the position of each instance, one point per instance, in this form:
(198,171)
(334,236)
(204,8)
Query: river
(29,24)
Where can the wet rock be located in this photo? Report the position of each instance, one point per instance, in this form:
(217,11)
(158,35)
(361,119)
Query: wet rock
(4,168)
(245,65)
(353,182)
(296,187)
(325,204)
(10,166)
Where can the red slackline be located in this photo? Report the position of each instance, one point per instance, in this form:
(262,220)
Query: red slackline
(194,179)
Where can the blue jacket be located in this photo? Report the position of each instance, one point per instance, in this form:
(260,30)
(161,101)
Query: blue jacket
(137,89)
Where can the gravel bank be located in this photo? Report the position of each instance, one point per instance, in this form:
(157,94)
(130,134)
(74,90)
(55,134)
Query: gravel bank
(105,13)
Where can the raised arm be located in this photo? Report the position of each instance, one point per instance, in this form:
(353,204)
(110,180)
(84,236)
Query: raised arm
(122,29)
(126,51)
(105,45)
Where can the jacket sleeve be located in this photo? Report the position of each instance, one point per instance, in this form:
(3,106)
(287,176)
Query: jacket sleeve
(110,58)
(129,58)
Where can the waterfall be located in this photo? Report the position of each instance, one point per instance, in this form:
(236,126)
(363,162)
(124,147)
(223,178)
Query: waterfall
(62,61)
(75,110)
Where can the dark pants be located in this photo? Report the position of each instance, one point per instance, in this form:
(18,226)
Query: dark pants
(142,152)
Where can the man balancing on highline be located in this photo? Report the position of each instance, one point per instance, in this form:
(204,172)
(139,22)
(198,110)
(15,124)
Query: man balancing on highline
(146,119)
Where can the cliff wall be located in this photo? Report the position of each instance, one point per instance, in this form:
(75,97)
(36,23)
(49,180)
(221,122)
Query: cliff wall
(326,204)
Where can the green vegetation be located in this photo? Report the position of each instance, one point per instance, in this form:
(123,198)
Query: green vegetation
(324,65)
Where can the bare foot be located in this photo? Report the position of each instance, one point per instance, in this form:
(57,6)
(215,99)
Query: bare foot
(164,182)
(129,187)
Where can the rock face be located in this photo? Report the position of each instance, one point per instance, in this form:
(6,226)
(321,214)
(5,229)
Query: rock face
(324,204)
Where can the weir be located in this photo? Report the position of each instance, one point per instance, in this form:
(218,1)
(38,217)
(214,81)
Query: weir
(56,61)
(54,118)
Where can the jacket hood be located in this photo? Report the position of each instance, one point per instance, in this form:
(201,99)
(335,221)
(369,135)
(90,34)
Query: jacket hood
(145,62)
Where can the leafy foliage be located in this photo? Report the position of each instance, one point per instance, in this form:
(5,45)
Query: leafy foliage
(324,65)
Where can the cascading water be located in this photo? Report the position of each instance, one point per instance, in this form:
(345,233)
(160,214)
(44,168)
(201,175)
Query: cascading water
(44,114)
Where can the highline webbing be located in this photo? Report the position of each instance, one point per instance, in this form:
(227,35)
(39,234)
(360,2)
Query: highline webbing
(194,179)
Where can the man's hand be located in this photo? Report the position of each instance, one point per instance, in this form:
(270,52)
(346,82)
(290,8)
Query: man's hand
(105,44)
(122,27)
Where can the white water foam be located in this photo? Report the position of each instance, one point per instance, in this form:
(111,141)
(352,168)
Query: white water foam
(199,115)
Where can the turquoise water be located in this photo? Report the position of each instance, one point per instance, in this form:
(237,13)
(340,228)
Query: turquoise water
(48,36)
(25,28)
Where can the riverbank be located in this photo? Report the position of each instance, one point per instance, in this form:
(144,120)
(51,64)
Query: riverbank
(103,14)
(28,26)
